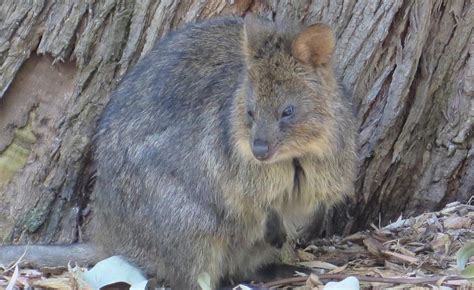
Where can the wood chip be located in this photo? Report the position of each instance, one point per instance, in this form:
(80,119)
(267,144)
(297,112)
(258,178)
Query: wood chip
(338,269)
(318,264)
(356,237)
(457,222)
(402,257)
(305,256)
(405,251)
(373,246)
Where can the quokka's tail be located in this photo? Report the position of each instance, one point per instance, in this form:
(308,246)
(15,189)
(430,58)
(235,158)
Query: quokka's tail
(50,255)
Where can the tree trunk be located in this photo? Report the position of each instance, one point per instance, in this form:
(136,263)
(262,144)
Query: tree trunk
(408,63)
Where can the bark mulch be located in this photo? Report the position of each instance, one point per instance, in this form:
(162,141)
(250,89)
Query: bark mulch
(410,253)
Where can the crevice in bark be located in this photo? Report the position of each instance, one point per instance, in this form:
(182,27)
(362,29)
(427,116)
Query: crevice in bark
(454,183)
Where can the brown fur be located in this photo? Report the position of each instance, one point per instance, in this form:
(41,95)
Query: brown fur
(314,45)
(179,190)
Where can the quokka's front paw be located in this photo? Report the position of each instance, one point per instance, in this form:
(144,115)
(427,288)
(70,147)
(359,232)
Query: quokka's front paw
(275,232)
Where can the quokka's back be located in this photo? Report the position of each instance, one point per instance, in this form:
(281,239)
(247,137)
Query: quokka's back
(217,145)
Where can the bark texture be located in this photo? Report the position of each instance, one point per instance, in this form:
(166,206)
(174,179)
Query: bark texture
(408,64)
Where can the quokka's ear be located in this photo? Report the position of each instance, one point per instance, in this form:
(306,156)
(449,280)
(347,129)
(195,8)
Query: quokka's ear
(256,30)
(314,45)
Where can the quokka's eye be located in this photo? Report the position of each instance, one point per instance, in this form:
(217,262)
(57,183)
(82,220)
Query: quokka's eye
(250,114)
(288,111)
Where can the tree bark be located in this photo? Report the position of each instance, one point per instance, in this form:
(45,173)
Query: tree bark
(408,64)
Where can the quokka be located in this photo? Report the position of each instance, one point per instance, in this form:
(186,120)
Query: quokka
(217,146)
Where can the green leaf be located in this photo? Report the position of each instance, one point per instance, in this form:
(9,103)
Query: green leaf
(13,279)
(464,254)
(113,270)
(243,287)
(350,283)
(204,281)
(468,272)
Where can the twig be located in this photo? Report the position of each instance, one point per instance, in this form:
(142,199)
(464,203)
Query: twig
(402,257)
(19,259)
(393,280)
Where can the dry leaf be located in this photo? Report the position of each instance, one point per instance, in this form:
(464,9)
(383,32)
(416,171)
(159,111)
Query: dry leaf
(313,281)
(457,222)
(402,257)
(440,242)
(338,269)
(405,251)
(318,264)
(356,237)
(305,256)
(373,246)
(63,283)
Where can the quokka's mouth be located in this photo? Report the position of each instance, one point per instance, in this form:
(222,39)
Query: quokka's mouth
(268,158)
(263,158)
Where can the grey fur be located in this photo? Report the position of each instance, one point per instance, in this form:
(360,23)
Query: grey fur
(175,191)
(178,191)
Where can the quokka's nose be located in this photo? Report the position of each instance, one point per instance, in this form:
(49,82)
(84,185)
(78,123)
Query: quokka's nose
(260,149)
